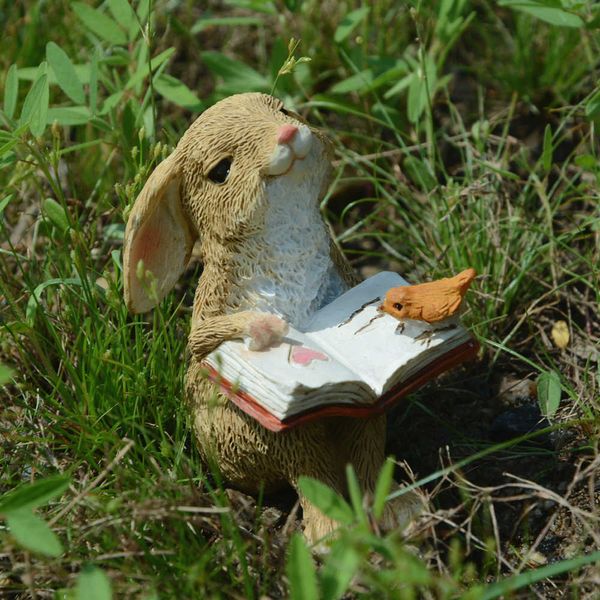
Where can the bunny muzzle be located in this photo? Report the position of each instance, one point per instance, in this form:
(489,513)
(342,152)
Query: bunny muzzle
(294,142)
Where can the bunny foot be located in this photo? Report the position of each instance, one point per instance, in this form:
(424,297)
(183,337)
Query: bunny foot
(264,330)
(317,526)
(400,512)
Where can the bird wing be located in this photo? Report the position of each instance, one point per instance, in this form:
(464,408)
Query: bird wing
(440,305)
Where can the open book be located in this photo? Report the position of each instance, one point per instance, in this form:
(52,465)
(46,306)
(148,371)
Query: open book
(349,360)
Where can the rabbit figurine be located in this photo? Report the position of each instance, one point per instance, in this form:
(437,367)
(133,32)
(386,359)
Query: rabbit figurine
(246,180)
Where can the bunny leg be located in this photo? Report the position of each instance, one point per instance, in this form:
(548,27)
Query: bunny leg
(401,511)
(312,452)
(365,443)
(362,442)
(229,440)
(249,457)
(317,526)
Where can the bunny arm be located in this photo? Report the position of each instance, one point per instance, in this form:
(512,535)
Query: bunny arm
(209,333)
(263,329)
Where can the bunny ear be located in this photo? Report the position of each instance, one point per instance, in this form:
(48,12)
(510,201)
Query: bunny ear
(158,239)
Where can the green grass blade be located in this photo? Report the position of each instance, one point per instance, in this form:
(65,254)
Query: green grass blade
(65,73)
(11,91)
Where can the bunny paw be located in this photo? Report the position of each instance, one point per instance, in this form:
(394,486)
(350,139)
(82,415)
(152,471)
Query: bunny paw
(265,330)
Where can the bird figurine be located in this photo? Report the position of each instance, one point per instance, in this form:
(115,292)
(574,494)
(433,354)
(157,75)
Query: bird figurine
(436,303)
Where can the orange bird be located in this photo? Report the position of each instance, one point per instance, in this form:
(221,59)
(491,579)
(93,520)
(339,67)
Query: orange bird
(430,302)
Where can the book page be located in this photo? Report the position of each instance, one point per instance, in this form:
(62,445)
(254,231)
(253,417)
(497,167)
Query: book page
(369,343)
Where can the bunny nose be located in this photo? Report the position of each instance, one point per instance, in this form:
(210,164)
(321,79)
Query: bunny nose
(286,133)
(293,143)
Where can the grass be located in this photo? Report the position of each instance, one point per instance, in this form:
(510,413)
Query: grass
(465,135)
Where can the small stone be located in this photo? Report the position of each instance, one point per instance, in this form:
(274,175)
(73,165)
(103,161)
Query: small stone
(560,334)
(536,559)
(102,283)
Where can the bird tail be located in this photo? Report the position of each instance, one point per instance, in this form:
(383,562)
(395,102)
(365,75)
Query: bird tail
(465,278)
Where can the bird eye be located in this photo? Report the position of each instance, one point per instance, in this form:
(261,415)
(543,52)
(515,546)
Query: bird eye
(220,172)
(397,306)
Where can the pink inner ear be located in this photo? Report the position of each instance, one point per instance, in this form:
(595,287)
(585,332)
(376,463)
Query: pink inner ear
(146,248)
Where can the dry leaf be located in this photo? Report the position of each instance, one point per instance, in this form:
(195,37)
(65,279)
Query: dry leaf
(102,283)
(560,334)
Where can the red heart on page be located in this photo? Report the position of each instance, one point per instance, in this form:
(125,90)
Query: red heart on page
(301,355)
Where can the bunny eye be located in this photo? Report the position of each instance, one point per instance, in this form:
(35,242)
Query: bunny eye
(397,306)
(220,172)
(284,111)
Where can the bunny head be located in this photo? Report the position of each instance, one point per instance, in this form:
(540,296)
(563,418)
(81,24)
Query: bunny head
(215,186)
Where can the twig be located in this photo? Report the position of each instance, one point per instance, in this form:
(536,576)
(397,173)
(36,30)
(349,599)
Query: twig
(152,552)
(29,576)
(359,158)
(202,509)
(117,459)
(478,542)
(291,518)
(496,530)
(359,309)
(369,322)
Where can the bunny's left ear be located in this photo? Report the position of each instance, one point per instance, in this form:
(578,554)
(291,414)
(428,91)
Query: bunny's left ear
(158,239)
